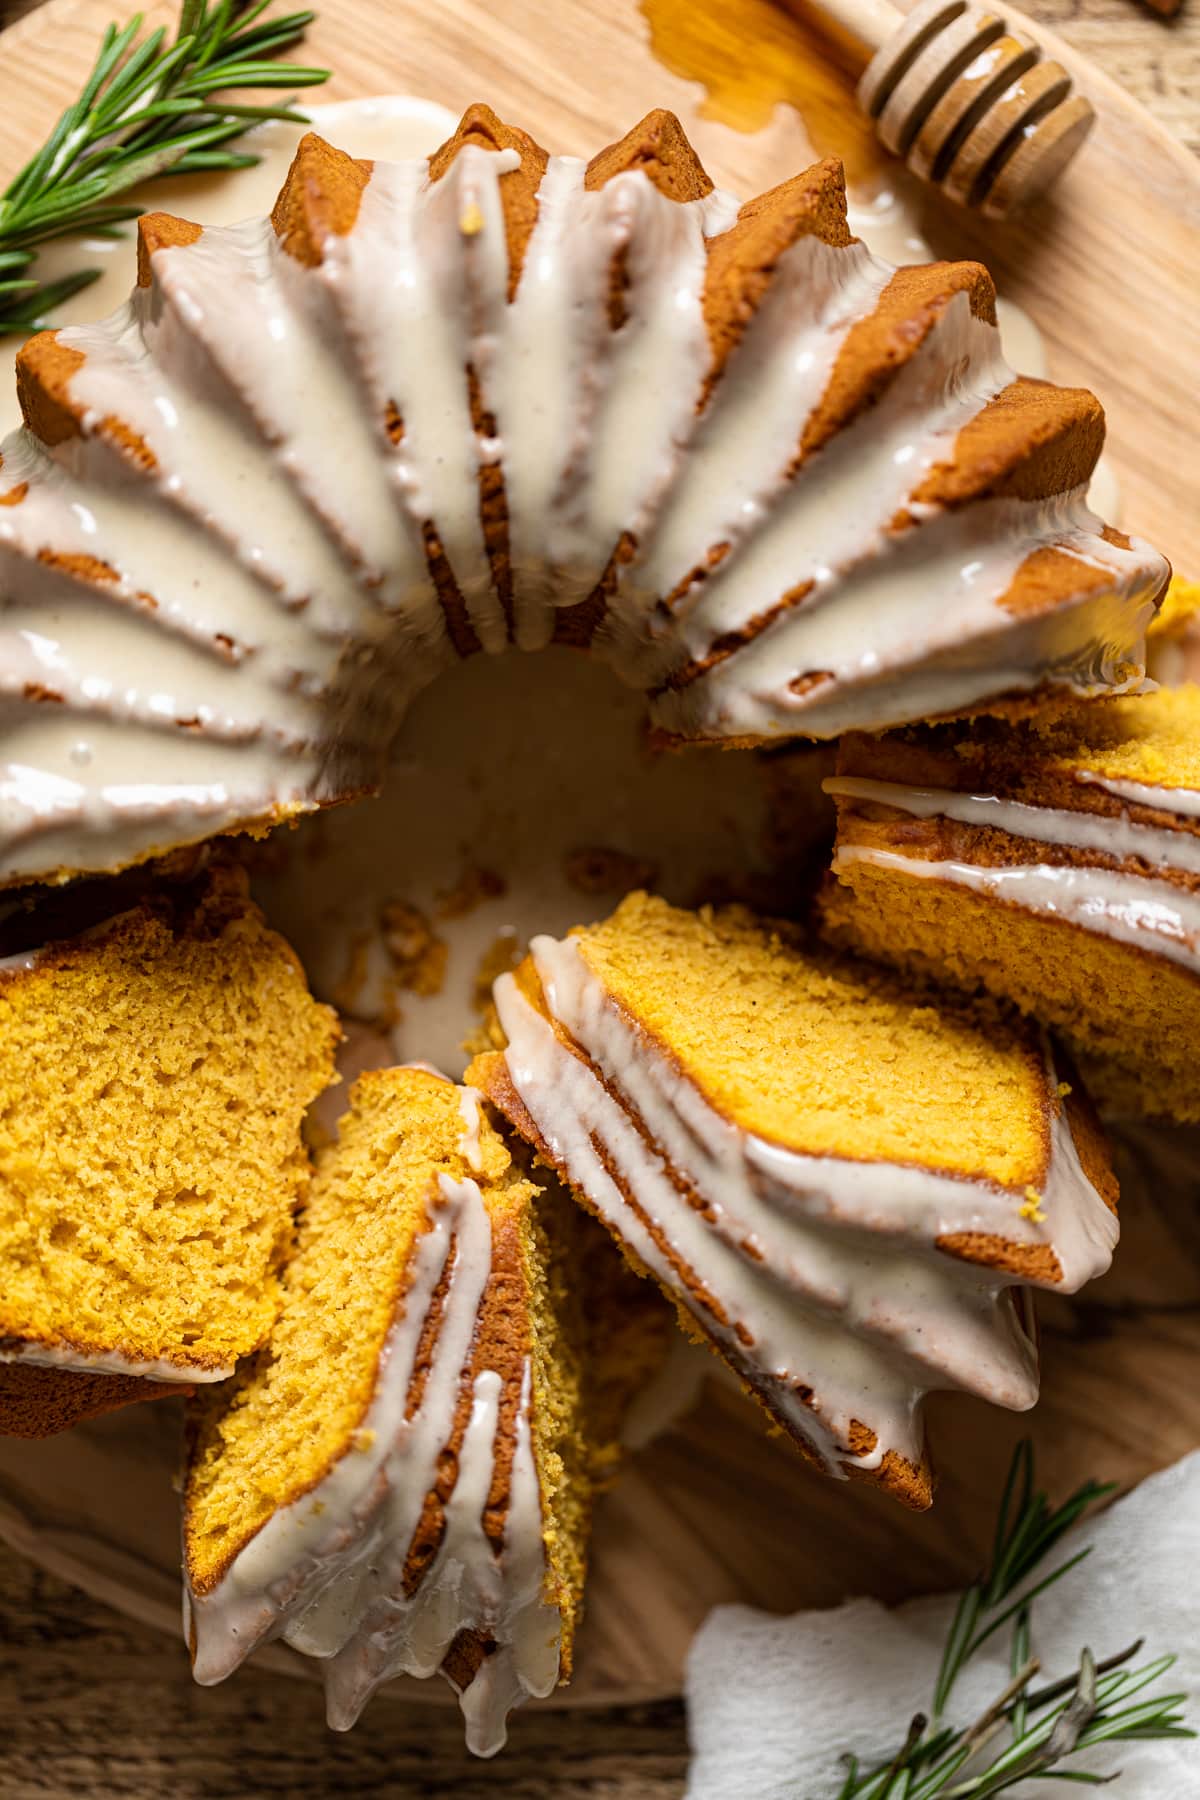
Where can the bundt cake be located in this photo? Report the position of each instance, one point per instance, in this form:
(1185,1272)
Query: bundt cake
(399,1480)
(499,397)
(1058,866)
(154,1081)
(840,1183)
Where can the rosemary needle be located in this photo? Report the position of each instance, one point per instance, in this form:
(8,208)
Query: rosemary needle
(1021,1735)
(146,109)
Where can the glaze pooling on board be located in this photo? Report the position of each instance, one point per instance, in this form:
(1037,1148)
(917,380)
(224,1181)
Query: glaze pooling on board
(326,1573)
(818,1277)
(1149,912)
(219,593)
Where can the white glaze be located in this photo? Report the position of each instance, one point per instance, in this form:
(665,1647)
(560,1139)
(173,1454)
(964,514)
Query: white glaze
(786,531)
(807,1272)
(325,1572)
(918,631)
(1116,838)
(1158,917)
(888,219)
(383,125)
(279,532)
(472,1118)
(554,764)
(741,450)
(1183,801)
(110,1362)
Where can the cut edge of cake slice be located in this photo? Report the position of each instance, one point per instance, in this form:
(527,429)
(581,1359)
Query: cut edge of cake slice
(399,1483)
(157,1070)
(1056,865)
(841,1281)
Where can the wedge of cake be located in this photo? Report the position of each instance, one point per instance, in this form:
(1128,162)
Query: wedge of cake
(399,1482)
(841,1185)
(1059,866)
(156,1071)
(1173,637)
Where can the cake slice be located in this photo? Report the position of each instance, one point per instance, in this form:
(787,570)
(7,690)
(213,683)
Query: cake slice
(1059,866)
(156,1071)
(841,1185)
(1172,642)
(399,1482)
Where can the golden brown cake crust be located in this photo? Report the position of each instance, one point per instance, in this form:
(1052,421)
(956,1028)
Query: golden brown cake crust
(503,1340)
(871,825)
(45,367)
(161,231)
(878,347)
(908,1482)
(1033,440)
(911,1484)
(658,147)
(1020,764)
(44,371)
(38,1402)
(320,198)
(742,262)
(518,187)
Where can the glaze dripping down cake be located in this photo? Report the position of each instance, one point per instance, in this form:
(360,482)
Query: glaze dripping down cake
(155,1077)
(1059,866)
(841,1184)
(399,1482)
(505,398)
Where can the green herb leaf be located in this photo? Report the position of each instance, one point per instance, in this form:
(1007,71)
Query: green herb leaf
(1022,1735)
(148,108)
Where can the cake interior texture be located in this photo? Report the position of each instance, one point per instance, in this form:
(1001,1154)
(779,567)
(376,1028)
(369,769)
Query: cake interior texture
(302,1407)
(1111,793)
(155,1077)
(825,1056)
(837,1178)
(502,400)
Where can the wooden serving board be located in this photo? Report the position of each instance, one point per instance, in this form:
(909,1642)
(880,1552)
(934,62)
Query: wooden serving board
(715,1510)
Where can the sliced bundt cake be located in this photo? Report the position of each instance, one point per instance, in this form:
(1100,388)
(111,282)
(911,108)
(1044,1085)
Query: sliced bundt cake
(841,1184)
(154,1080)
(1058,865)
(399,1482)
(501,397)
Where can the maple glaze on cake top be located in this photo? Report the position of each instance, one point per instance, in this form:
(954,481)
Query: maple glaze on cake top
(500,397)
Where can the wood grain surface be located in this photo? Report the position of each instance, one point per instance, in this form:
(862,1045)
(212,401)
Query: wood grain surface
(94,1705)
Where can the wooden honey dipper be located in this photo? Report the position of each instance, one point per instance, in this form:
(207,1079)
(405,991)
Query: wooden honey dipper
(969,104)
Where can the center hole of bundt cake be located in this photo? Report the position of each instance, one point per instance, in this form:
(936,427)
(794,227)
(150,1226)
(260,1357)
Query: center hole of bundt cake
(522,796)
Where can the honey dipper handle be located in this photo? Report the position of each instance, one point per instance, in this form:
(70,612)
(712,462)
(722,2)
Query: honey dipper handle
(964,96)
(871,22)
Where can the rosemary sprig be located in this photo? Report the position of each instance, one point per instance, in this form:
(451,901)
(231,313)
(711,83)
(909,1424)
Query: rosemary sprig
(147,109)
(1022,1734)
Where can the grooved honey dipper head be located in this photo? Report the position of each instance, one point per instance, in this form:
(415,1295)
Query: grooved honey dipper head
(974,107)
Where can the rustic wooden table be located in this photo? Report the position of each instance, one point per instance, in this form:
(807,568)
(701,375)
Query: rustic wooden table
(92,1705)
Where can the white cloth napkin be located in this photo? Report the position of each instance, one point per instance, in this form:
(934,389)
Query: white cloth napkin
(773,1702)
